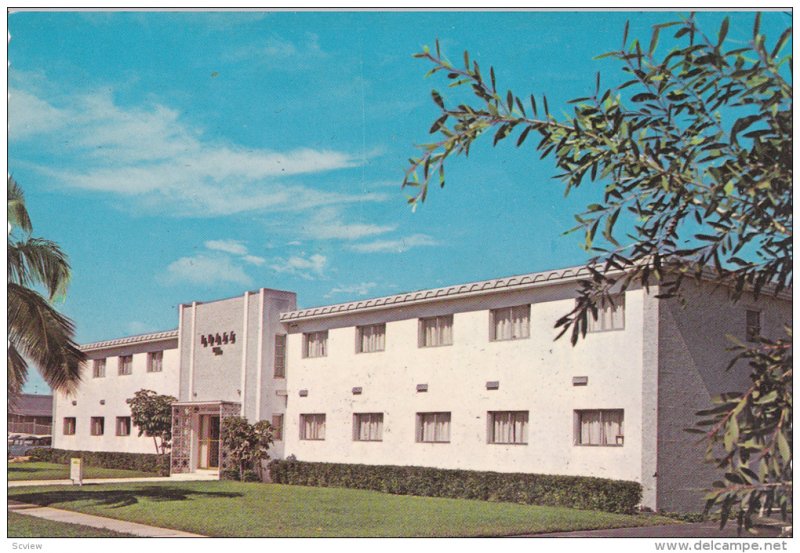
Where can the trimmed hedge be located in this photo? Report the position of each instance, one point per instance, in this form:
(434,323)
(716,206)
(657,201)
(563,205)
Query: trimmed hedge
(145,462)
(577,492)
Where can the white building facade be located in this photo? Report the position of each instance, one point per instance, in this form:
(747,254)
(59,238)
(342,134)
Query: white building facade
(466,377)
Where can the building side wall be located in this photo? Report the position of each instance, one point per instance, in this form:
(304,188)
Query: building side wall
(534,375)
(113,389)
(692,360)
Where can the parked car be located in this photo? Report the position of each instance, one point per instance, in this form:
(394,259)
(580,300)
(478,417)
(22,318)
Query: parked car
(19,445)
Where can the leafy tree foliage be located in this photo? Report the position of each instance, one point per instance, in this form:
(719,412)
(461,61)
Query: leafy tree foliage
(247,444)
(36,330)
(152,414)
(694,149)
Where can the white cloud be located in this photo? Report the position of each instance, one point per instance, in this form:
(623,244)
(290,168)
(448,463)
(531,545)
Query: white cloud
(228,246)
(360,289)
(327,224)
(153,156)
(395,246)
(254,260)
(308,268)
(205,269)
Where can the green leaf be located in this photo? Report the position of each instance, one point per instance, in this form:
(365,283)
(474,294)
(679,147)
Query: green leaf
(783,447)
(723,31)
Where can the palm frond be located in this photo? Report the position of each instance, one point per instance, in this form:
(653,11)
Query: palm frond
(40,333)
(17,373)
(17,212)
(36,261)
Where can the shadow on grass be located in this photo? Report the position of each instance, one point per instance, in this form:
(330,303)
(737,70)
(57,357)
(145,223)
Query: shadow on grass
(12,469)
(117,498)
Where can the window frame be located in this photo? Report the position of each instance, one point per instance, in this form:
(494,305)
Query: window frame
(490,420)
(751,334)
(360,339)
(277,426)
(102,422)
(129,427)
(303,426)
(619,301)
(493,322)
(97,363)
(421,330)
(121,365)
(69,423)
(420,426)
(306,336)
(151,356)
(276,373)
(357,421)
(577,427)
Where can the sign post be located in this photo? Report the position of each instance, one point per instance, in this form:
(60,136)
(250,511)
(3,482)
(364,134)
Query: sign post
(76,470)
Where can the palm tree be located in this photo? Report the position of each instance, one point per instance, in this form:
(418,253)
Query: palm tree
(36,331)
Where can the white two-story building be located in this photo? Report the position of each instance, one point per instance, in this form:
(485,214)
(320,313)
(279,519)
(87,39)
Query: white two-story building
(465,376)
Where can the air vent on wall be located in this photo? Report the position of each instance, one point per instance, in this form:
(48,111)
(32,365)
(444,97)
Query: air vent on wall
(303,393)
(422,387)
(493,385)
(580,380)
(356,390)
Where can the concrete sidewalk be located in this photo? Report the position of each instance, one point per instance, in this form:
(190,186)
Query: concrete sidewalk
(188,477)
(71,517)
(688,530)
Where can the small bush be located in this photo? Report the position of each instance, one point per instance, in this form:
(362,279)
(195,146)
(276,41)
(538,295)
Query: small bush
(250,476)
(577,492)
(144,462)
(229,474)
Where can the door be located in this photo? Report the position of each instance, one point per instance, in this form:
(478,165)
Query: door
(208,457)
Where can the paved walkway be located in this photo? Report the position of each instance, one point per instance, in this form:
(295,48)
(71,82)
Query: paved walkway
(189,477)
(71,517)
(693,530)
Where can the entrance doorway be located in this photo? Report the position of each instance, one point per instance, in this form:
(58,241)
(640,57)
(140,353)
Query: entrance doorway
(208,457)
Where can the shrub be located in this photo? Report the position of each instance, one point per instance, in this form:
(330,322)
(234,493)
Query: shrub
(229,474)
(577,492)
(144,462)
(250,476)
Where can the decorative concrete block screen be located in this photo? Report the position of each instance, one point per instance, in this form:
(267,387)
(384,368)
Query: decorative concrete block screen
(184,416)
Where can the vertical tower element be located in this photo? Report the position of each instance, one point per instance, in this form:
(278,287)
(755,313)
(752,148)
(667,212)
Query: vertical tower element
(246,311)
(191,351)
(260,361)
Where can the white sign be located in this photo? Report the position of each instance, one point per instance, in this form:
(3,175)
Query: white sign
(76,470)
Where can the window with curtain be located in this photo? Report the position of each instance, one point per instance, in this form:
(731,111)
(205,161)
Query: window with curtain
(371,338)
(368,427)
(155,362)
(433,427)
(99,368)
(126,364)
(508,427)
(600,427)
(436,331)
(315,344)
(280,356)
(753,324)
(511,323)
(69,426)
(123,426)
(312,427)
(277,427)
(97,426)
(610,315)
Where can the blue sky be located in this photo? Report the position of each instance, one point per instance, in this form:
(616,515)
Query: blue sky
(192,156)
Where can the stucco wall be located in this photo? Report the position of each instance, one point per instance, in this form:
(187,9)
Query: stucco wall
(114,389)
(535,374)
(692,361)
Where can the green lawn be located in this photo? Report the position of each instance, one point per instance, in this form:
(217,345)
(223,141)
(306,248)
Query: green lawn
(23,526)
(53,471)
(237,509)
